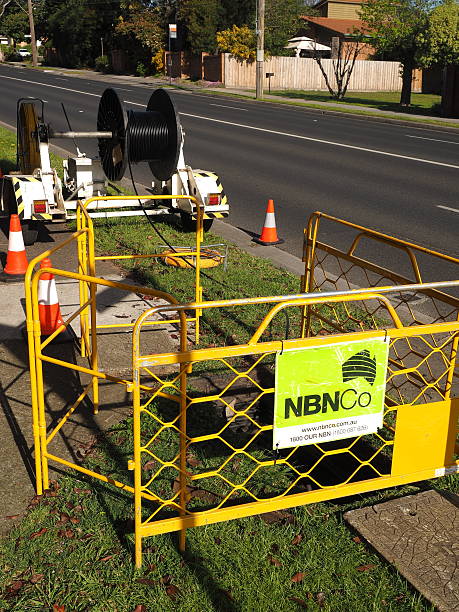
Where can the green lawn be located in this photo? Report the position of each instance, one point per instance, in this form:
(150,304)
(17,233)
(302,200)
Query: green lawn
(74,549)
(421,104)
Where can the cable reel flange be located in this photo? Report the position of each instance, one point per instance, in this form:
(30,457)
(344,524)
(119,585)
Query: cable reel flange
(113,152)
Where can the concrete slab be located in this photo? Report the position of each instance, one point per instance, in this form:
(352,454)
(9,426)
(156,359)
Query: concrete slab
(419,534)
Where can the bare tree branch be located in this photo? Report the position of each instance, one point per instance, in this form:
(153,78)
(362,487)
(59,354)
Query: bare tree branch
(342,66)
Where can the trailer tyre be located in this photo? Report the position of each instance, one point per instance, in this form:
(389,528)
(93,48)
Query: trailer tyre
(189,224)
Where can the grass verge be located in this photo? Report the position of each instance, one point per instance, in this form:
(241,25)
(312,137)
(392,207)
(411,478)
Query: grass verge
(421,104)
(73,550)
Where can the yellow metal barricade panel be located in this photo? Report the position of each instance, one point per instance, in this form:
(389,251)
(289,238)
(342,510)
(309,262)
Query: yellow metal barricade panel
(422,436)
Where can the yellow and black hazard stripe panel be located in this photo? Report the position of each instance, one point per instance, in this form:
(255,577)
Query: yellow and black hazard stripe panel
(19,196)
(224,199)
(216,215)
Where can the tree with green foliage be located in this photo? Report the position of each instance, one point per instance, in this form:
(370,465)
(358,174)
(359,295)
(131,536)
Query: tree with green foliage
(443,34)
(201,20)
(15,25)
(398,30)
(75,27)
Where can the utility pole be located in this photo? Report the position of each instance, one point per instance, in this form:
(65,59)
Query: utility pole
(33,41)
(260,47)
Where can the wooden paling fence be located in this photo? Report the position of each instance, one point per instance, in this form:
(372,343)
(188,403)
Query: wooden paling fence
(304,73)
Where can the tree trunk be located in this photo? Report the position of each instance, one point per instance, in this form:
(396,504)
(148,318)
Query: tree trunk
(407,76)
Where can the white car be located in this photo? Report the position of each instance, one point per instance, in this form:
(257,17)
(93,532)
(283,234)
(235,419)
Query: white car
(24,53)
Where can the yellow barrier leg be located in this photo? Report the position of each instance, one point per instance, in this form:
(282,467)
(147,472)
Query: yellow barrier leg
(41,414)
(183,448)
(137,472)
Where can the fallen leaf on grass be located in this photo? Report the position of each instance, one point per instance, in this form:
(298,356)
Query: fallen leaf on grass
(151,567)
(275,548)
(74,520)
(58,608)
(66,533)
(64,518)
(166,579)
(37,534)
(140,608)
(297,539)
(298,577)
(12,516)
(192,461)
(357,540)
(227,594)
(218,541)
(147,581)
(107,558)
(14,587)
(172,591)
(277,516)
(274,561)
(82,491)
(34,578)
(150,465)
(301,602)
(320,599)
(365,568)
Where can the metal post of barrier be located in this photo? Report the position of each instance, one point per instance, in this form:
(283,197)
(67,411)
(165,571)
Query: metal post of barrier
(33,379)
(93,315)
(198,288)
(307,281)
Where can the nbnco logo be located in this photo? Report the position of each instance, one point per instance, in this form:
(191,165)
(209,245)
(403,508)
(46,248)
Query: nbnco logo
(360,365)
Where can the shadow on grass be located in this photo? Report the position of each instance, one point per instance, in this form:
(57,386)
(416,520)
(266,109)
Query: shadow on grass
(6,165)
(385,105)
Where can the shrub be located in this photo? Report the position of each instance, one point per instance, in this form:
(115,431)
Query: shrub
(102,63)
(141,71)
(157,61)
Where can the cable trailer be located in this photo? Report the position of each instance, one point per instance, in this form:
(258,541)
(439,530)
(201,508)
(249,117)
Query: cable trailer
(38,195)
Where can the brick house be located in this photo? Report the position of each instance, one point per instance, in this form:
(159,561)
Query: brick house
(338,21)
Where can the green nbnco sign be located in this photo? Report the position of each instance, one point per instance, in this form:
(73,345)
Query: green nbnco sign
(329,392)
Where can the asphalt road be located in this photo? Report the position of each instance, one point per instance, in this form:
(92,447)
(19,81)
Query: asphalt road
(400,180)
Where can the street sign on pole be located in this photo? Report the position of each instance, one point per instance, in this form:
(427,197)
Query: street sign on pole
(172,30)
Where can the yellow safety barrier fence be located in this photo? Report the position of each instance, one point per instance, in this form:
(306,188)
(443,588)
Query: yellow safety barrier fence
(87,314)
(204,418)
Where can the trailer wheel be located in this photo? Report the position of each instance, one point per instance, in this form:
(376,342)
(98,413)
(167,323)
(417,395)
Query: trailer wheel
(189,224)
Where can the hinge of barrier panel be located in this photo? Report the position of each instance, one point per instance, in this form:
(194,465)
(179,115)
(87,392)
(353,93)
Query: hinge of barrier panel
(130,387)
(131,464)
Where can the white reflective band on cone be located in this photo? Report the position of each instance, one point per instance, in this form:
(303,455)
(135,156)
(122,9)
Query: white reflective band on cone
(16,242)
(270,220)
(47,294)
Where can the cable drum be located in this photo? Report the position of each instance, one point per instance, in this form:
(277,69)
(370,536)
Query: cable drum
(152,136)
(148,136)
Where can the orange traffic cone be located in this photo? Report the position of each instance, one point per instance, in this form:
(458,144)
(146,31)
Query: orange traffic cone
(16,259)
(269,233)
(48,302)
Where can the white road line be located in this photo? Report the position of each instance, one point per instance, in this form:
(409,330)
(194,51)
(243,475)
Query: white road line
(257,129)
(448,208)
(52,86)
(329,142)
(233,107)
(435,139)
(121,89)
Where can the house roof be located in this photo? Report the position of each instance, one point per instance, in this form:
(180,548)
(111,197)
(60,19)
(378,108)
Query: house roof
(343,26)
